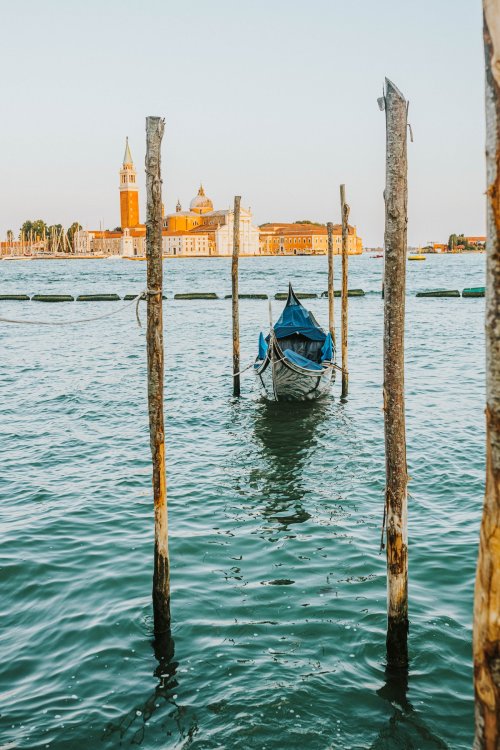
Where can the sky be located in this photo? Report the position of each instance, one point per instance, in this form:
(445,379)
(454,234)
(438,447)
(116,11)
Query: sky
(274,100)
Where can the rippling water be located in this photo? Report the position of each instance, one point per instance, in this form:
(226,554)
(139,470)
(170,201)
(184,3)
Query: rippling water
(278,587)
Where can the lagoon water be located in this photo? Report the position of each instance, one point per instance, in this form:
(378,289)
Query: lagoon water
(278,586)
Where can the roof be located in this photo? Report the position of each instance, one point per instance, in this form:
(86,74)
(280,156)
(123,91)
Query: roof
(127,157)
(301,229)
(183,233)
(201,201)
(203,229)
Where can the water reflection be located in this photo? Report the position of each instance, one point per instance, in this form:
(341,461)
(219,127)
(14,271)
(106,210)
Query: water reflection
(133,724)
(285,435)
(405,727)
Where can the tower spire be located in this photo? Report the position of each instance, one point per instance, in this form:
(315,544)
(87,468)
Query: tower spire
(127,158)
(129,192)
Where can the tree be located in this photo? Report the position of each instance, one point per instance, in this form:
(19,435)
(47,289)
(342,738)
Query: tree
(452,242)
(10,236)
(36,227)
(306,221)
(74,228)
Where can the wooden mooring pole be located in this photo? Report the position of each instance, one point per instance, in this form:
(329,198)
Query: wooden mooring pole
(344,208)
(396,496)
(486,641)
(154,337)
(235,299)
(331,289)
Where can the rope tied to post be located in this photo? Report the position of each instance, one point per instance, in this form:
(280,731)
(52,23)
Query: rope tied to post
(240,372)
(79,321)
(144,296)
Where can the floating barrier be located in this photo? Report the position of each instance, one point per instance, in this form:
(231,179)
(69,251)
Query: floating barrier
(130,297)
(475,291)
(440,293)
(299,295)
(416,257)
(196,295)
(248,296)
(98,298)
(23,297)
(350,293)
(53,298)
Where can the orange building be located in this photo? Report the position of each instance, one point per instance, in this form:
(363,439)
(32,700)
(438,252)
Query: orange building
(131,239)
(478,241)
(129,192)
(305,239)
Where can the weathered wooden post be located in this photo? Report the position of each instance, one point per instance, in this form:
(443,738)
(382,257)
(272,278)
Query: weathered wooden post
(154,336)
(331,290)
(235,299)
(396,497)
(487,594)
(344,208)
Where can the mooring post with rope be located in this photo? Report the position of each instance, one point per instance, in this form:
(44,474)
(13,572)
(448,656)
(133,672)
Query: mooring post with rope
(331,290)
(396,497)
(486,640)
(344,208)
(235,298)
(154,337)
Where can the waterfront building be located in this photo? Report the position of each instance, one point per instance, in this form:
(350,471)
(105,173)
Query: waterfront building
(199,231)
(479,242)
(130,238)
(305,239)
(203,231)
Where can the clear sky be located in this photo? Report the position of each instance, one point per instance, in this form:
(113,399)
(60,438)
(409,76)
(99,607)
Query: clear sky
(271,99)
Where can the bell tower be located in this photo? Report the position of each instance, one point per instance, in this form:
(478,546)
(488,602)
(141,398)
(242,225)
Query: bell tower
(129,192)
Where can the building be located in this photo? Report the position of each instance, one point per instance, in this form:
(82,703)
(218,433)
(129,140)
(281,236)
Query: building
(130,238)
(199,231)
(203,231)
(305,239)
(477,241)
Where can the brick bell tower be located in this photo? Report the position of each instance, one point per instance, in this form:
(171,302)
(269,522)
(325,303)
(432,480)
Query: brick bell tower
(129,192)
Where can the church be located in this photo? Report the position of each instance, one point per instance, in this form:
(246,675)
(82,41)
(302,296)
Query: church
(201,231)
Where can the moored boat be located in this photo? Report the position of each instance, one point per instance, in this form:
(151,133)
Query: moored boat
(296,361)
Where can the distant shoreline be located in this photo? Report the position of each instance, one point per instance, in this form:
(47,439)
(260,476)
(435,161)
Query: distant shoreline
(165,257)
(68,256)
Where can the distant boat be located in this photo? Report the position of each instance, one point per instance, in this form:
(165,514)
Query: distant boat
(417,256)
(379,255)
(296,361)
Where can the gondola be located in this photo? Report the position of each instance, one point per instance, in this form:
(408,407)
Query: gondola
(296,361)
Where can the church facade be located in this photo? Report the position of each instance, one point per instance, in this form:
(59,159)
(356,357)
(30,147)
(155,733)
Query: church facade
(201,231)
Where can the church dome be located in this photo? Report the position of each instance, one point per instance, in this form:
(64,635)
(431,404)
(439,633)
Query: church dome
(200,203)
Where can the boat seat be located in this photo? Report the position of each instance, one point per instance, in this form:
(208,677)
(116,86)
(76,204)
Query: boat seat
(300,361)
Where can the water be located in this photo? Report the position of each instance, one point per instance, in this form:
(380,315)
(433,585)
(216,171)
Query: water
(278,587)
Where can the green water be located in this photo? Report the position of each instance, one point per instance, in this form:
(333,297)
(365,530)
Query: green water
(278,587)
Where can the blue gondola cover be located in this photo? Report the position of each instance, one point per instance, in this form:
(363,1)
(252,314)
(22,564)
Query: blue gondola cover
(263,347)
(298,359)
(327,350)
(296,319)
